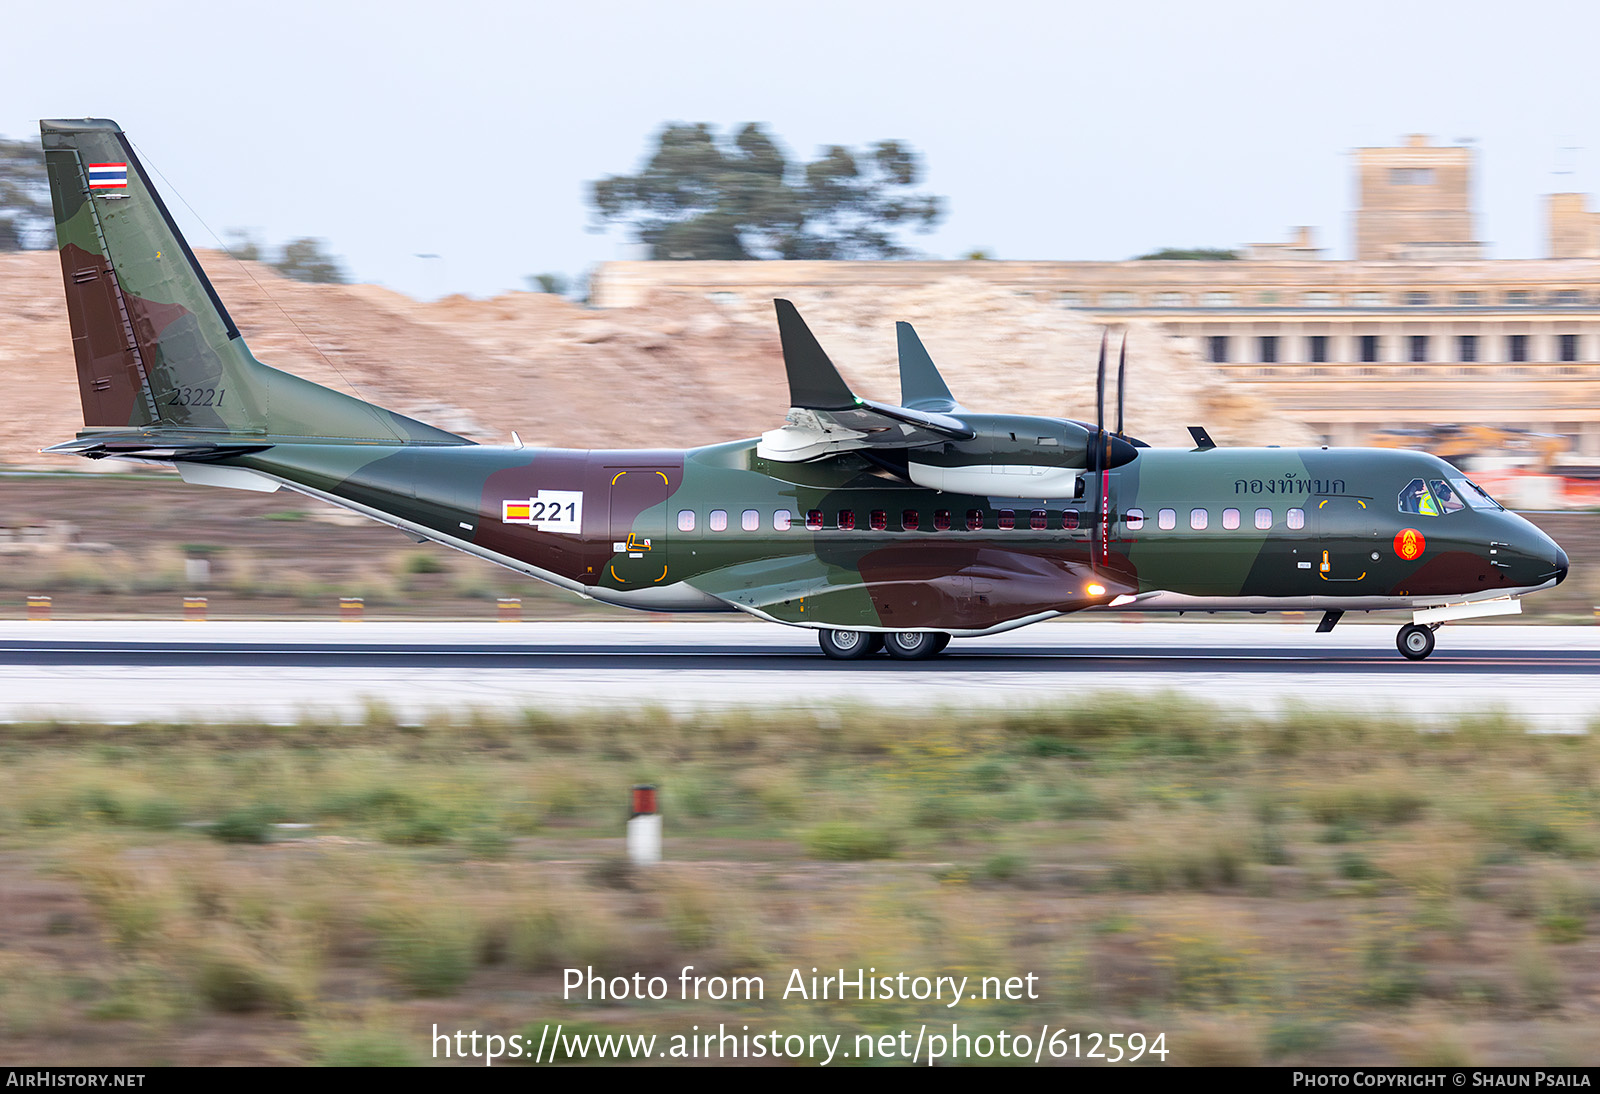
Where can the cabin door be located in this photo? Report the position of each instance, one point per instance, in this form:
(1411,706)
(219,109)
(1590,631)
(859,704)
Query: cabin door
(638,527)
(1346,537)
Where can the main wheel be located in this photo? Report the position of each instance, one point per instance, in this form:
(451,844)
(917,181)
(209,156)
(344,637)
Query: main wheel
(1415,642)
(915,645)
(849,645)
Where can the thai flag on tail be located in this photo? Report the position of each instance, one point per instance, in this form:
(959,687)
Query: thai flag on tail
(107,176)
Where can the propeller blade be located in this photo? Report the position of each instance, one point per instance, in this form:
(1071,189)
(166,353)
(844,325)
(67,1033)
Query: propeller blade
(1122,379)
(1100,388)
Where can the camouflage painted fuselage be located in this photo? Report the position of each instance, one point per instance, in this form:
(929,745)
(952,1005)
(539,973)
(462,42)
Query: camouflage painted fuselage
(696,530)
(855,515)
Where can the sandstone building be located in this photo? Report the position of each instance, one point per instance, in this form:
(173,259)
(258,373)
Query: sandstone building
(1419,330)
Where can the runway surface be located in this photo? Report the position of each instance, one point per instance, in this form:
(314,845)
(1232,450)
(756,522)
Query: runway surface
(281,672)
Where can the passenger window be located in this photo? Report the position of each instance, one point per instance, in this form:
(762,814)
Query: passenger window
(1416,500)
(781,520)
(1198,519)
(1134,519)
(847,519)
(1038,520)
(1069,519)
(1297,518)
(813,518)
(750,520)
(1008,520)
(718,520)
(1449,500)
(685,520)
(1263,519)
(941,520)
(1230,519)
(880,520)
(910,520)
(1167,519)
(974,520)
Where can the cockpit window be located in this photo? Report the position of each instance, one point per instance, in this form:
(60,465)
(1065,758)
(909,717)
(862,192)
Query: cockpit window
(1449,500)
(1416,499)
(1474,495)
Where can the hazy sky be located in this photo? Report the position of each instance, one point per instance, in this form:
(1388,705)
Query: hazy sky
(1054,130)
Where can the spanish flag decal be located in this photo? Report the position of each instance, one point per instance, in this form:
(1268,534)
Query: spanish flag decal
(1408,544)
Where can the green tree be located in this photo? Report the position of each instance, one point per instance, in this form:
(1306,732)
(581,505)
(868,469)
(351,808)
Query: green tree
(699,197)
(25,216)
(1195,254)
(307,260)
(546,282)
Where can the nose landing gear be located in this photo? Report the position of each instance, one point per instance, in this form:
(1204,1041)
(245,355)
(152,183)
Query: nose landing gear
(1415,641)
(850,645)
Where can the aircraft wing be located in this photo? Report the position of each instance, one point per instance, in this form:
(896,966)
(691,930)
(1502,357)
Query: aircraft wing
(826,417)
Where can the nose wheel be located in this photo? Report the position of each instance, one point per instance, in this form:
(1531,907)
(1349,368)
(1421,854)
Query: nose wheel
(1415,641)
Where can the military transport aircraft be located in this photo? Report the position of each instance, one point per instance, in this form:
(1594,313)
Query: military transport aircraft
(880,526)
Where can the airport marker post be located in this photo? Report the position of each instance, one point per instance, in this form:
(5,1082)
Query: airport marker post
(644,827)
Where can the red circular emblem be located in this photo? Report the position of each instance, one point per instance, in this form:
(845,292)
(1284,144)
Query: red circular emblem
(1409,544)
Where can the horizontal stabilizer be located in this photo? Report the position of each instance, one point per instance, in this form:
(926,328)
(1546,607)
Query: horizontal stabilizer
(921,386)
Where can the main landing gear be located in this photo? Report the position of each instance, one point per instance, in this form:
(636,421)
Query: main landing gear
(902,645)
(1415,641)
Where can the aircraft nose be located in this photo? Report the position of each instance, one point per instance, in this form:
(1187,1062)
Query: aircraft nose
(1561,565)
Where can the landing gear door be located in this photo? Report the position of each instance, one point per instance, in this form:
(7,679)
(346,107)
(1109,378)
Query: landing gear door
(638,501)
(1345,537)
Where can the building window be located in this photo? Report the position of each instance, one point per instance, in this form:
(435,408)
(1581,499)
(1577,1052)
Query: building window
(685,520)
(1569,348)
(1566,296)
(1217,300)
(1117,300)
(1072,299)
(1317,348)
(718,520)
(1369,300)
(1519,298)
(1419,347)
(1517,348)
(1263,519)
(1134,518)
(1410,176)
(910,520)
(1230,519)
(1169,299)
(1166,519)
(1467,347)
(1198,519)
(1269,349)
(1219,349)
(1297,519)
(1415,298)
(750,520)
(1319,299)
(1267,298)
(781,520)
(1369,348)
(1467,299)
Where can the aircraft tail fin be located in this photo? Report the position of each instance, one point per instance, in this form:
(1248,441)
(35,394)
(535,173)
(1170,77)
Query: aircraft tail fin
(921,386)
(814,383)
(156,350)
